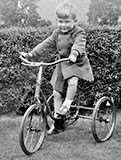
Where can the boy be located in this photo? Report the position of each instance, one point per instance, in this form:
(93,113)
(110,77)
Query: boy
(70,41)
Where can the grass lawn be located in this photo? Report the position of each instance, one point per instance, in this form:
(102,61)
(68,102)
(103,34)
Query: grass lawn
(76,143)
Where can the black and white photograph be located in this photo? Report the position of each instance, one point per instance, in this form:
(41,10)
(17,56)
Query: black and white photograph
(60,80)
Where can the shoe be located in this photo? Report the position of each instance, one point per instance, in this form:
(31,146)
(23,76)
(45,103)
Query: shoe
(58,126)
(64,110)
(52,131)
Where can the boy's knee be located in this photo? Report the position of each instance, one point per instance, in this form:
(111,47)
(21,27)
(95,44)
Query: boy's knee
(56,94)
(73,81)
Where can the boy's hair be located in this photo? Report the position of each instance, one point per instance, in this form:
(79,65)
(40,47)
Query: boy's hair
(66,9)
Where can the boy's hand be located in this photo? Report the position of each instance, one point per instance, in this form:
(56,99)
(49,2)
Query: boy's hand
(26,55)
(72,58)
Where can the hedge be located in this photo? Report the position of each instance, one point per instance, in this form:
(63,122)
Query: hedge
(16,81)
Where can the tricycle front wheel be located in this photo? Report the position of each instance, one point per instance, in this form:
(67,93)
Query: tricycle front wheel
(32,130)
(103,119)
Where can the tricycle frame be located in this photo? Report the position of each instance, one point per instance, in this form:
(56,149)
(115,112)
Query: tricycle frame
(104,112)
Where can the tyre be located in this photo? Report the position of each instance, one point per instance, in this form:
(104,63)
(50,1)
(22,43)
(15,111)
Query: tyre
(103,119)
(32,130)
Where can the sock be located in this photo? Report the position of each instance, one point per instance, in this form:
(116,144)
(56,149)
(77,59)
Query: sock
(66,104)
(55,115)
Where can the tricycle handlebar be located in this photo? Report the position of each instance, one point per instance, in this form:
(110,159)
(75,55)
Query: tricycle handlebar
(29,63)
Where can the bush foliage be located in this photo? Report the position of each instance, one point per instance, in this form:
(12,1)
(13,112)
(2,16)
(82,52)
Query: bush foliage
(103,49)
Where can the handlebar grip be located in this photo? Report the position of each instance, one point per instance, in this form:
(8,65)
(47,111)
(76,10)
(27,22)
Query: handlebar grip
(22,54)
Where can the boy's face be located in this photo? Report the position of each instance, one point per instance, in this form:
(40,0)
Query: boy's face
(65,24)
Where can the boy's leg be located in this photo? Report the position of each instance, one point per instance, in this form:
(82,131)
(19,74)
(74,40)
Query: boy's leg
(58,124)
(57,101)
(71,91)
(61,109)
(72,88)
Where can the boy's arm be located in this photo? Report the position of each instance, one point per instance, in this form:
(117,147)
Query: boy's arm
(79,45)
(46,45)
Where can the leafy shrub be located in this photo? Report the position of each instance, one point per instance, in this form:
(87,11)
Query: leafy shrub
(103,49)
(18,81)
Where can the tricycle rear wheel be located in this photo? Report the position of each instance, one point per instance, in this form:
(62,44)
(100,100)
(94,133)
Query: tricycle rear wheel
(103,119)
